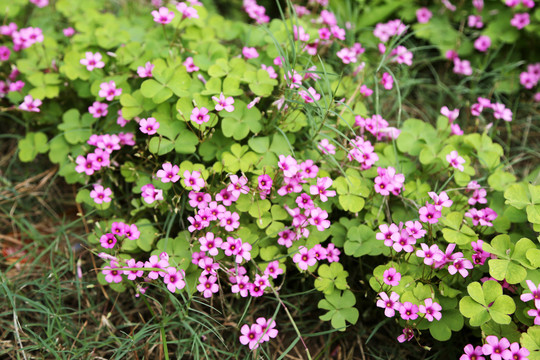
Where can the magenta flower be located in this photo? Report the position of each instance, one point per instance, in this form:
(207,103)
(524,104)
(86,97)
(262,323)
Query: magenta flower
(268,328)
(224,103)
(68,32)
(320,189)
(151,194)
(244,252)
(117,228)
(515,352)
(101,194)
(208,286)
(241,286)
(200,200)
(462,67)
(294,79)
(483,43)
(92,61)
(430,254)
(109,91)
(273,269)
(304,258)
(286,238)
(391,277)
(386,233)
(208,265)
(85,165)
(98,109)
(536,314)
(402,55)
(520,20)
(441,200)
(193,180)
(131,231)
(148,126)
(288,165)
(190,65)
(534,295)
(423,15)
(326,148)
(415,229)
(113,274)
(431,310)
(455,160)
(318,218)
(250,52)
(310,95)
(407,335)
(200,116)
(156,262)
(450,114)
(30,104)
(408,311)
(403,241)
(187,11)
(479,196)
(270,70)
(387,81)
(163,15)
(494,347)
(146,70)
(251,336)
(4,53)
(332,253)
(429,214)
(168,173)
(174,279)
(389,304)
(100,158)
(133,264)
(238,185)
(501,112)
(472,353)
(107,241)
(347,55)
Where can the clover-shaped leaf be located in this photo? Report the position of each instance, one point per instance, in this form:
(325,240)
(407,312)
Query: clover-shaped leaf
(331,277)
(260,82)
(531,341)
(361,241)
(76,128)
(33,143)
(166,82)
(487,302)
(340,309)
(238,123)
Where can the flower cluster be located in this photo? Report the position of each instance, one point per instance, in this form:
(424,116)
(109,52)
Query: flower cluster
(497,349)
(259,332)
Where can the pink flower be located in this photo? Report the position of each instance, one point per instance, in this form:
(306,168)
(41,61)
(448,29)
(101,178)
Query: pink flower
(318,218)
(472,353)
(4,53)
(462,67)
(163,15)
(310,95)
(250,52)
(326,148)
(101,194)
(321,189)
(403,241)
(455,129)
(131,231)
(451,54)
(133,274)
(386,233)
(146,70)
(441,200)
(92,61)
(494,347)
(347,55)
(112,273)
(479,196)
(407,335)
(190,66)
(304,258)
(187,11)
(241,285)
(455,160)
(107,241)
(85,165)
(483,43)
(534,295)
(501,112)
(431,309)
(251,335)
(109,90)
(68,32)
(415,229)
(391,277)
(168,173)
(151,194)
(402,55)
(224,103)
(40,3)
(30,104)
(332,253)
(230,221)
(117,228)
(174,279)
(270,70)
(273,269)
(294,80)
(149,126)
(460,265)
(193,180)
(268,329)
(423,15)
(389,304)
(200,116)
(478,4)
(364,90)
(199,200)
(520,20)
(208,286)
(429,214)
(536,314)
(430,254)
(387,81)
(98,109)
(408,311)
(515,352)
(450,114)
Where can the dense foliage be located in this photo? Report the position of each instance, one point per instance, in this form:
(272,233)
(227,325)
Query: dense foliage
(221,156)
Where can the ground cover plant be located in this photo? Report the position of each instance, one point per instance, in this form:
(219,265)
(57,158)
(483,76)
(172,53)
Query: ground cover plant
(297,179)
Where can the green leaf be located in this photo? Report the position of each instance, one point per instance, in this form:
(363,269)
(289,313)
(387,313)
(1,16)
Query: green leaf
(331,277)
(259,144)
(76,129)
(238,123)
(486,302)
(502,269)
(533,214)
(340,309)
(531,341)
(500,180)
(517,195)
(260,82)
(160,145)
(33,143)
